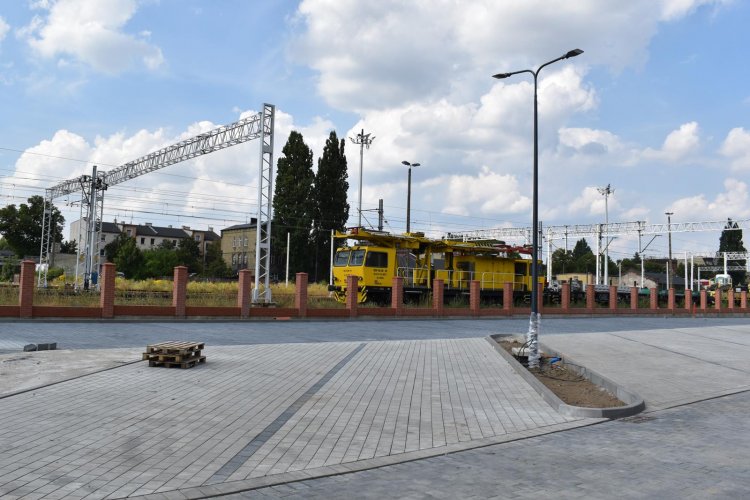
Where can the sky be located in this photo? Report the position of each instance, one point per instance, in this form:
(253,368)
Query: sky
(657,106)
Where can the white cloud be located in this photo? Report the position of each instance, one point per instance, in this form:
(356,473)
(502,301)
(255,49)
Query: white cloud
(390,53)
(674,9)
(736,147)
(492,193)
(92,33)
(589,142)
(733,202)
(678,146)
(4,28)
(592,202)
(223,183)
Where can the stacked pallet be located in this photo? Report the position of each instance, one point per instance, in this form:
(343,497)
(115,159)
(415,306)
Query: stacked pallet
(174,354)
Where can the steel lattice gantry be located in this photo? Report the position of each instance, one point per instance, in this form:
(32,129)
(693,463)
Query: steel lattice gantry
(639,228)
(258,126)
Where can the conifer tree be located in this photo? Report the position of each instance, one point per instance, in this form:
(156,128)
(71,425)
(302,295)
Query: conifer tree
(292,206)
(331,208)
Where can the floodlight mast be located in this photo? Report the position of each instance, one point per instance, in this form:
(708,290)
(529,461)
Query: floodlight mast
(257,126)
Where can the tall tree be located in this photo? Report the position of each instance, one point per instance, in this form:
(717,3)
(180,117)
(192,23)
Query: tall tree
(331,210)
(731,241)
(129,259)
(292,205)
(189,255)
(216,267)
(22,226)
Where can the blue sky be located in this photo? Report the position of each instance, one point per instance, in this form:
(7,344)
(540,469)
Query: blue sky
(657,106)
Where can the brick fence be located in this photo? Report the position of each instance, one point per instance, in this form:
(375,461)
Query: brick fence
(107,308)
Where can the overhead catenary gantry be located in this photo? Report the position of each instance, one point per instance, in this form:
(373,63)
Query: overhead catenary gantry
(639,228)
(258,126)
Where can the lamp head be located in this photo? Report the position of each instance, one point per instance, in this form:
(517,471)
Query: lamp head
(573,53)
(500,76)
(406,163)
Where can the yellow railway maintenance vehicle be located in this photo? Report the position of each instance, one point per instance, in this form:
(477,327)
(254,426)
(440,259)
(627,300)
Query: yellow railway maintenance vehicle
(376,257)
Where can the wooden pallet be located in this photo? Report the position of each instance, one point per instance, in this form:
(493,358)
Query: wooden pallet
(174,354)
(174,347)
(187,363)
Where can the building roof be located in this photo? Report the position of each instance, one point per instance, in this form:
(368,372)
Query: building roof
(250,225)
(211,236)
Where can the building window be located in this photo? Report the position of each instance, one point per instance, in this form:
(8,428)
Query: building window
(143,241)
(128,232)
(245,241)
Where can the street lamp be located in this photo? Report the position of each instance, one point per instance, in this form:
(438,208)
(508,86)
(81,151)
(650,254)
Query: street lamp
(408,195)
(532,336)
(669,231)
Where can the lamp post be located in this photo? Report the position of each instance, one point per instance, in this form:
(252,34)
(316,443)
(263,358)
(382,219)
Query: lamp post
(669,232)
(532,336)
(408,195)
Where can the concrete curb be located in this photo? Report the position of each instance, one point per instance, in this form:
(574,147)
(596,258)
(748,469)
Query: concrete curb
(634,404)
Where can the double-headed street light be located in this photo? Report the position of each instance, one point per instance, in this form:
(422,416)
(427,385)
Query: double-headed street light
(408,195)
(532,336)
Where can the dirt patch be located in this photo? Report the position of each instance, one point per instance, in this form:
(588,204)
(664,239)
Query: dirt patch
(567,385)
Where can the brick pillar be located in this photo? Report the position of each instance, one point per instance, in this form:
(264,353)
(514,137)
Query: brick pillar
(688,300)
(704,300)
(743,299)
(352,294)
(653,298)
(179,291)
(244,292)
(612,297)
(590,296)
(634,297)
(300,294)
(508,296)
(565,296)
(474,291)
(397,294)
(730,298)
(717,300)
(26,288)
(438,296)
(670,299)
(539,297)
(107,287)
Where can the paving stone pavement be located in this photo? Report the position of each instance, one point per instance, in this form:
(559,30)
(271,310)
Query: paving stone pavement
(356,399)
(253,412)
(666,367)
(697,451)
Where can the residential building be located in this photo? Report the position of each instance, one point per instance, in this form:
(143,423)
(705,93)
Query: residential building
(238,245)
(147,236)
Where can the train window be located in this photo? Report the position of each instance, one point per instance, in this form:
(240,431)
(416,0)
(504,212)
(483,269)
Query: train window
(342,258)
(376,259)
(358,256)
(522,268)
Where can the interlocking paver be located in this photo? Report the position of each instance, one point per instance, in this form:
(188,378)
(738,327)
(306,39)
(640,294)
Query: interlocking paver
(136,430)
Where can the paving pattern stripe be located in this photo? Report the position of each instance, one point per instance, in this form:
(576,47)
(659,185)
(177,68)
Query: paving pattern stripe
(243,455)
(672,351)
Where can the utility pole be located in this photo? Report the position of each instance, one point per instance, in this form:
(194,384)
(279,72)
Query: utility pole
(380,214)
(606,191)
(669,233)
(364,140)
